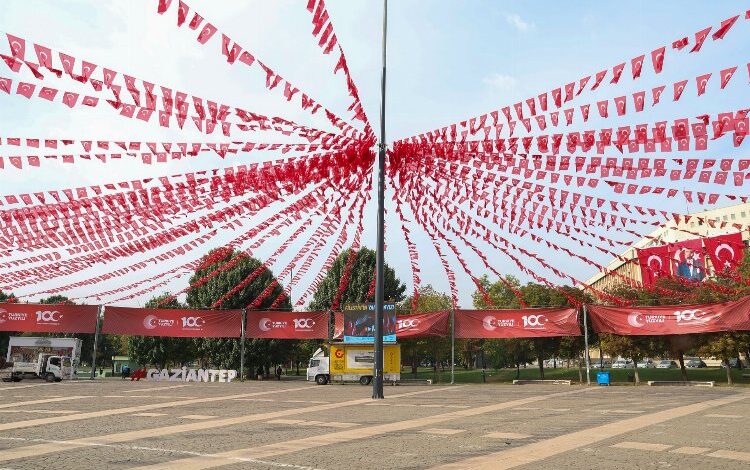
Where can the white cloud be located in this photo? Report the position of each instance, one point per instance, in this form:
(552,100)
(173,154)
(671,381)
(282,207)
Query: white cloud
(500,81)
(519,23)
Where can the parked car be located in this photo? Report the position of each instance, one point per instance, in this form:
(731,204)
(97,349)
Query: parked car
(606,364)
(695,363)
(646,364)
(733,363)
(622,364)
(666,364)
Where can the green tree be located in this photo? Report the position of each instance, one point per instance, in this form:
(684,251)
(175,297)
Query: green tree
(360,280)
(636,348)
(260,282)
(725,346)
(435,350)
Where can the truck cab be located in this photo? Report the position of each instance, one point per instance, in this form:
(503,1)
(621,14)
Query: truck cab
(318,369)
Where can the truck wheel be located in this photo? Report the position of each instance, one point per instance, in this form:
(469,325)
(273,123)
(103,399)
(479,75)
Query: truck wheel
(50,377)
(321,379)
(365,380)
(17,378)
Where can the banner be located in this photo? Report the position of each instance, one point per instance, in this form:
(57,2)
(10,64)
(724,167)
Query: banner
(687,259)
(654,263)
(176,323)
(359,323)
(521,323)
(671,319)
(287,325)
(423,325)
(42,318)
(725,251)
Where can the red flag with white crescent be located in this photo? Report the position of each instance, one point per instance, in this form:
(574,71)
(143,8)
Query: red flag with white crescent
(725,251)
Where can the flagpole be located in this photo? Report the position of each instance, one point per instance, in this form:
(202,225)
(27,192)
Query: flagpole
(586,345)
(377,383)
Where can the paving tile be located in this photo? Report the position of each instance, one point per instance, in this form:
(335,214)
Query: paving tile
(197,417)
(642,446)
(441,431)
(507,435)
(690,450)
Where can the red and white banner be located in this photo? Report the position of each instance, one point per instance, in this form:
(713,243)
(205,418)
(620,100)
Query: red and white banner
(422,325)
(287,325)
(177,323)
(43,318)
(655,263)
(521,323)
(725,251)
(671,319)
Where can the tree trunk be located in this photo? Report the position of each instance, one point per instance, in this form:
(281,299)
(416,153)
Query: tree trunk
(580,371)
(729,371)
(683,371)
(541,366)
(414,364)
(635,372)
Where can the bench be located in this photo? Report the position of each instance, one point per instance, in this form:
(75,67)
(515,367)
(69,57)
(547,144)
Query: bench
(540,381)
(689,383)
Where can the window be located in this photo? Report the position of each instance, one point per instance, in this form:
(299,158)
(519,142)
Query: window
(54,361)
(725,218)
(733,216)
(314,362)
(742,214)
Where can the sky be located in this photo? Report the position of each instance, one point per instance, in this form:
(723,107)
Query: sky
(447,61)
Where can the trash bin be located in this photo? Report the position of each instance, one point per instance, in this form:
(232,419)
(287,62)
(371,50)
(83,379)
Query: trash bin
(602,378)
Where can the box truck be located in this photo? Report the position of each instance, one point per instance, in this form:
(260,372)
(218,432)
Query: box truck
(47,366)
(353,363)
(52,359)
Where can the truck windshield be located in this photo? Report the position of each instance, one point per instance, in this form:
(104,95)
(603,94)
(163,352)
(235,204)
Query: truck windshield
(314,363)
(54,361)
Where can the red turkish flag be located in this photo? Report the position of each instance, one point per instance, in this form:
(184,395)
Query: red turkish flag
(25,89)
(726,75)
(639,99)
(617,72)
(208,31)
(47,93)
(679,87)
(657,58)
(585,112)
(725,25)
(621,103)
(602,105)
(5,84)
(654,263)
(598,79)
(725,251)
(556,97)
(517,323)
(17,46)
(671,319)
(43,55)
(543,101)
(636,65)
(701,82)
(700,37)
(182,12)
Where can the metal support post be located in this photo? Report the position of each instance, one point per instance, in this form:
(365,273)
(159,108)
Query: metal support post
(453,346)
(586,345)
(99,316)
(242,344)
(377,383)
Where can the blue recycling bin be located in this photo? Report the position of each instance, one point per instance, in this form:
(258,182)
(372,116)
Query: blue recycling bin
(602,378)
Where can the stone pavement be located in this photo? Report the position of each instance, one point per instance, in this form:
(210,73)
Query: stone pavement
(117,424)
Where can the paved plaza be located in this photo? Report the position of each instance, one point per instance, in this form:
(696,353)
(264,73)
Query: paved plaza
(117,424)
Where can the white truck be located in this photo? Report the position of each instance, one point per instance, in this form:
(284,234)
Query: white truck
(52,359)
(47,366)
(353,363)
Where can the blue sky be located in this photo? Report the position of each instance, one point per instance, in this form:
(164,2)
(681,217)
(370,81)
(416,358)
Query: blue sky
(447,61)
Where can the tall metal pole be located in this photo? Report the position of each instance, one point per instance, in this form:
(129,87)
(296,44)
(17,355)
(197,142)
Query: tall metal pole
(99,315)
(453,346)
(586,346)
(243,328)
(377,383)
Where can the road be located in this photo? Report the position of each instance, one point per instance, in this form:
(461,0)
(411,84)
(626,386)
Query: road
(118,424)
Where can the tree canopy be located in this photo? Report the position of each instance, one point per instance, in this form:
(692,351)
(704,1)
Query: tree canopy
(360,279)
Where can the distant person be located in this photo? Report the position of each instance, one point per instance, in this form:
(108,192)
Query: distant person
(125,372)
(278,373)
